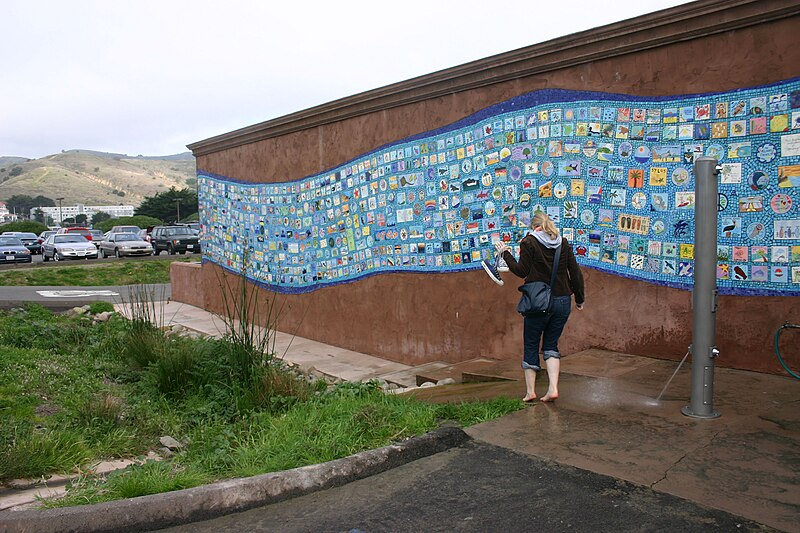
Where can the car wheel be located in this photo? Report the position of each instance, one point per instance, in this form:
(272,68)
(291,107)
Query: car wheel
(116,253)
(156,251)
(103,253)
(56,257)
(170,249)
(45,259)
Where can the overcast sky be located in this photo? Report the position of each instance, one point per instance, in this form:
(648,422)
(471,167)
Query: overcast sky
(149,77)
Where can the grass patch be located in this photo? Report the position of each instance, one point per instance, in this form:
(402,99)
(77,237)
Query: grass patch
(44,452)
(101,307)
(92,391)
(93,274)
(152,477)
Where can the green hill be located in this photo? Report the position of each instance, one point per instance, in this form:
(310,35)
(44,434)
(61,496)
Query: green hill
(95,178)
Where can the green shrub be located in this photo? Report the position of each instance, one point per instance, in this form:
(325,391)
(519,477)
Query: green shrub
(24,225)
(174,369)
(101,307)
(101,411)
(143,344)
(139,220)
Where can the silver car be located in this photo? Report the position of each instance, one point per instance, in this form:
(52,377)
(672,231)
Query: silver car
(67,246)
(122,244)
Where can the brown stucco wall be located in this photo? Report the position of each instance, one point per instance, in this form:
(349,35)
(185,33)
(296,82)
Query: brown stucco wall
(414,318)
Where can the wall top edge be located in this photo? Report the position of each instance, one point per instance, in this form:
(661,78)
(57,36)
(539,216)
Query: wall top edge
(684,22)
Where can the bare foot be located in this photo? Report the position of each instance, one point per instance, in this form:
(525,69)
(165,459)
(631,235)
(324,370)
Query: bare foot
(529,397)
(550,397)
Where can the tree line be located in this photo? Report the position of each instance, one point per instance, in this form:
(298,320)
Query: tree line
(169,206)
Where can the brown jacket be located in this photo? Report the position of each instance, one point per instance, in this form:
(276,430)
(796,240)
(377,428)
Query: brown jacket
(536,264)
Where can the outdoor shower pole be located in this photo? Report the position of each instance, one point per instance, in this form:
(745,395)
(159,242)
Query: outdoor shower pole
(704,293)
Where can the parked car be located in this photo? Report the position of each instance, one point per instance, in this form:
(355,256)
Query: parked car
(174,239)
(125,229)
(144,234)
(97,236)
(194,225)
(67,246)
(30,240)
(87,234)
(124,244)
(45,234)
(12,250)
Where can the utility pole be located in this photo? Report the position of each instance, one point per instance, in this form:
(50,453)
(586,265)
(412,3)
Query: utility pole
(60,214)
(179,210)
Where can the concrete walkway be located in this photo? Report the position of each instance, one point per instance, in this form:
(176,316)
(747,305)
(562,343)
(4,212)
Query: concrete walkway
(607,420)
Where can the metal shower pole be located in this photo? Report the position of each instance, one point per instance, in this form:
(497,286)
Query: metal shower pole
(704,293)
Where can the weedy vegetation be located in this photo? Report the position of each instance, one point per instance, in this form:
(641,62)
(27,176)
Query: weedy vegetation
(74,391)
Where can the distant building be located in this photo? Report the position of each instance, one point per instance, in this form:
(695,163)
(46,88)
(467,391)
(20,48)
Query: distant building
(5,215)
(58,214)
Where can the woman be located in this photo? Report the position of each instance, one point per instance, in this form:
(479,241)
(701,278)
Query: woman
(536,255)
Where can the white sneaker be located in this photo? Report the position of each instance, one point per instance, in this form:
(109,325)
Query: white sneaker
(492,271)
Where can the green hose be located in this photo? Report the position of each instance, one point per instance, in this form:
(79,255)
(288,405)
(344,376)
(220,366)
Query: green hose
(778,352)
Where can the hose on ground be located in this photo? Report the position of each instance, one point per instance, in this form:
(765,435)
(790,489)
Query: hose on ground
(778,352)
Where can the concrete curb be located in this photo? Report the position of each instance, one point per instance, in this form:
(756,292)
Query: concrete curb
(158,511)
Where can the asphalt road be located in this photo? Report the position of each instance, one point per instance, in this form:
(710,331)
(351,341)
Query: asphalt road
(479,487)
(63,298)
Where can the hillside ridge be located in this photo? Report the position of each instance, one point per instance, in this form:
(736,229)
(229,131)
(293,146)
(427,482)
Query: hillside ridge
(96,178)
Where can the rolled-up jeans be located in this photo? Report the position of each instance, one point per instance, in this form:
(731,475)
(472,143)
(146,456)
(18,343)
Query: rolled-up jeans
(544,331)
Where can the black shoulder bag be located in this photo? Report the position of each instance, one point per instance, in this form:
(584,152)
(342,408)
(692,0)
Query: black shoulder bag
(537,295)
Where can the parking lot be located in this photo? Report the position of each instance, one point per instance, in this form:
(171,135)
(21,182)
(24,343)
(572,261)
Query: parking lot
(78,244)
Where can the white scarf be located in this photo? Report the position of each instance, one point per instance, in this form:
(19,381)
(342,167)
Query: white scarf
(547,240)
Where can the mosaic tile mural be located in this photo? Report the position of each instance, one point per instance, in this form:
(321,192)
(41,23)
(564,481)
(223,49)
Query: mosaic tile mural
(614,171)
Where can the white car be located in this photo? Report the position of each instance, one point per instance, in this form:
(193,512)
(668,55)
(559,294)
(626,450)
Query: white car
(63,246)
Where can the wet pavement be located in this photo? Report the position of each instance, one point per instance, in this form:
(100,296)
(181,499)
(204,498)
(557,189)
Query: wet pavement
(480,487)
(747,462)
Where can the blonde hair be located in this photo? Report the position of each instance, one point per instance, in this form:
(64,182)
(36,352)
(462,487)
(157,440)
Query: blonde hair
(542,220)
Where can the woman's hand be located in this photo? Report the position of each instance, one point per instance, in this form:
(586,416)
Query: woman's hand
(500,247)
(579,307)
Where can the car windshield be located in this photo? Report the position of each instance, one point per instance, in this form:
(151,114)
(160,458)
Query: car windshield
(60,239)
(26,235)
(126,237)
(10,241)
(179,231)
(80,232)
(96,233)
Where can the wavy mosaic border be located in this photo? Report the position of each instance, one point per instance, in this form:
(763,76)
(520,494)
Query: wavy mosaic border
(614,168)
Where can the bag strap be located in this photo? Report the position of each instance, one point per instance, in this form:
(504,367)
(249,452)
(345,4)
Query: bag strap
(555,265)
